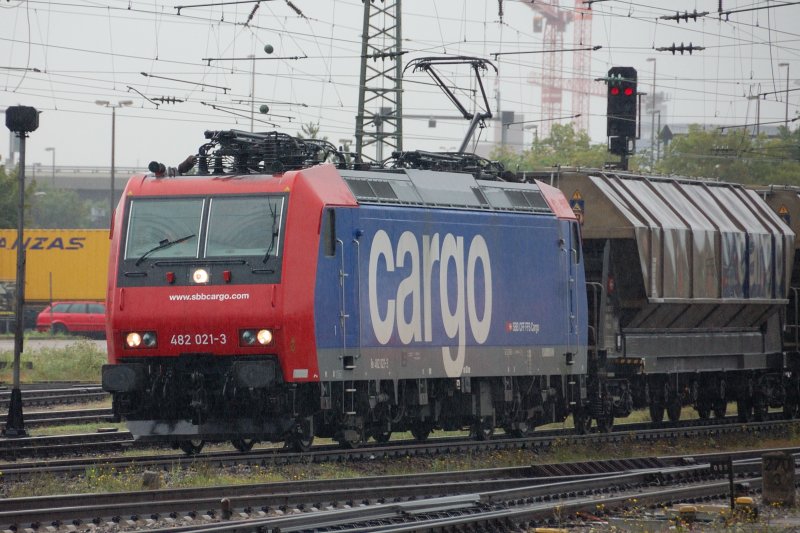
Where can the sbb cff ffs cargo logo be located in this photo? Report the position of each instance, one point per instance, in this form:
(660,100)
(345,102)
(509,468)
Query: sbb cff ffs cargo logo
(458,269)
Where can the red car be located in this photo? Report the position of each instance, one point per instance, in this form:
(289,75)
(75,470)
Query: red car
(73,317)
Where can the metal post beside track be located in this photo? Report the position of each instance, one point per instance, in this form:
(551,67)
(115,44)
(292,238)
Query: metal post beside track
(20,120)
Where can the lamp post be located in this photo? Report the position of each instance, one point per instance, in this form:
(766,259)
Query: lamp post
(786,115)
(114,107)
(652,112)
(53,175)
(20,120)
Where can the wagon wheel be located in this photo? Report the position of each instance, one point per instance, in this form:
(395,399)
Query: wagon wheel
(790,408)
(191,447)
(703,410)
(482,428)
(744,410)
(760,409)
(656,411)
(674,409)
(243,445)
(721,402)
(421,431)
(720,408)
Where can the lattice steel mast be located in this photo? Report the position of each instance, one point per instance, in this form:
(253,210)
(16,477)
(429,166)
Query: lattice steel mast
(379,121)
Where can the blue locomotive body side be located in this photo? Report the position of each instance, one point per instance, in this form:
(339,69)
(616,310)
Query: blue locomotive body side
(426,292)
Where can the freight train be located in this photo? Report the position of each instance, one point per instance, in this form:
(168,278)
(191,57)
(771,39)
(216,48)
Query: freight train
(287,291)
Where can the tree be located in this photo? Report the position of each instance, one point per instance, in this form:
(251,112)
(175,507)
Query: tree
(44,207)
(310,131)
(57,208)
(9,198)
(563,147)
(734,155)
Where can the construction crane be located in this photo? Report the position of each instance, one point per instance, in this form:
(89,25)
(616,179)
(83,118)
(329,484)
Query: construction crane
(552,81)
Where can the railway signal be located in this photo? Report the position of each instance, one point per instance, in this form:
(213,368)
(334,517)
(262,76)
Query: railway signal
(622,97)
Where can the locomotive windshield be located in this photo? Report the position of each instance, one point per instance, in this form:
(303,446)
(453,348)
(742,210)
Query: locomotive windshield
(197,228)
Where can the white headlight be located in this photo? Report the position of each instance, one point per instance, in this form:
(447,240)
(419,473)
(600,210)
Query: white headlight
(200,276)
(133,340)
(264,337)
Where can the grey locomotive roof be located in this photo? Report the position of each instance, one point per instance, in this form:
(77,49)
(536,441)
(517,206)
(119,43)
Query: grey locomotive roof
(415,187)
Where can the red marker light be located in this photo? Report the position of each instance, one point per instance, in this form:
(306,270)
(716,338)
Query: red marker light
(615,91)
(226,275)
(628,91)
(170,277)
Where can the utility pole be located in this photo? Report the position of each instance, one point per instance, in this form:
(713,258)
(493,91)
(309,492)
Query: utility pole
(786,115)
(380,83)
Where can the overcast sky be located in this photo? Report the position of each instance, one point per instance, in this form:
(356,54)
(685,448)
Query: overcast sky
(84,51)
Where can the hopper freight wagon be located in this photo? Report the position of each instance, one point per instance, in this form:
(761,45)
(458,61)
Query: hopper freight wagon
(687,282)
(61,265)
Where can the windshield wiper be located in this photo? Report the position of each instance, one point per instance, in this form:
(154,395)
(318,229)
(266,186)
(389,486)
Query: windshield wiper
(166,243)
(274,213)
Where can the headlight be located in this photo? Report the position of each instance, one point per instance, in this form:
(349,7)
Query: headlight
(264,336)
(255,337)
(200,276)
(134,339)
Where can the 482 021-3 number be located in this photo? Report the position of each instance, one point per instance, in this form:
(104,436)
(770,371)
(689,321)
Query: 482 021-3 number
(198,339)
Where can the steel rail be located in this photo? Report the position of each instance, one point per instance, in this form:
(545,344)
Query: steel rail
(495,485)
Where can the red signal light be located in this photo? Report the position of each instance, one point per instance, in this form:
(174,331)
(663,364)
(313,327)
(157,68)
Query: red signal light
(628,91)
(614,91)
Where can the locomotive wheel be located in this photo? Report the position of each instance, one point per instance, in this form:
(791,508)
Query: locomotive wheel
(243,445)
(605,423)
(350,439)
(519,430)
(790,408)
(300,443)
(191,447)
(382,436)
(656,412)
(421,431)
(482,429)
(703,410)
(583,423)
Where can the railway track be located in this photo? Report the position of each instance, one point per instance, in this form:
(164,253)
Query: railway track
(43,397)
(75,416)
(12,450)
(501,499)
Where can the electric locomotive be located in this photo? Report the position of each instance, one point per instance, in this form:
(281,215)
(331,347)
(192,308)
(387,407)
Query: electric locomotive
(277,296)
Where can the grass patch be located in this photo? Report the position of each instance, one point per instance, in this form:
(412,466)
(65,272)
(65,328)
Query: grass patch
(103,478)
(77,362)
(70,429)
